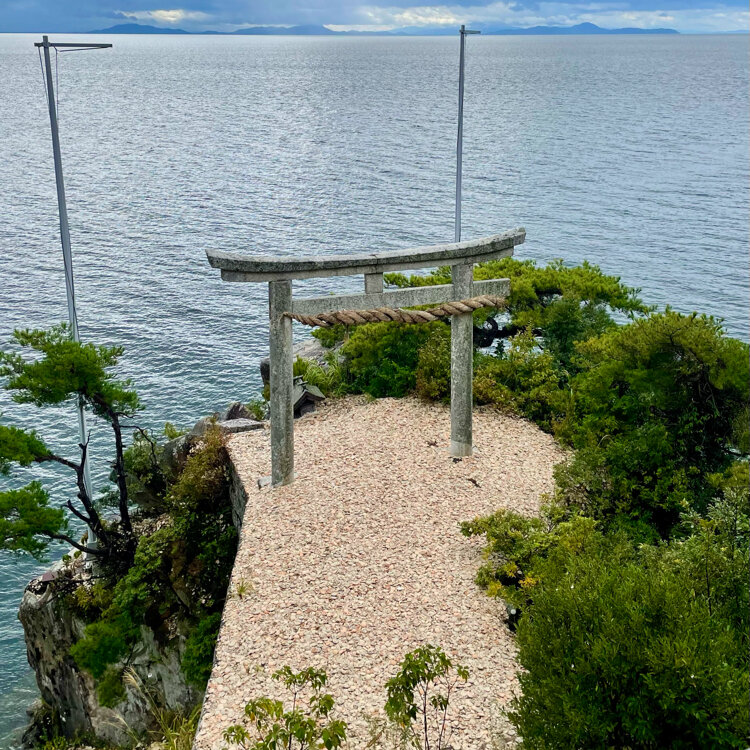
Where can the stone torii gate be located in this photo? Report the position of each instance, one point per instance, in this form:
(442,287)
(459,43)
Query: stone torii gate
(459,299)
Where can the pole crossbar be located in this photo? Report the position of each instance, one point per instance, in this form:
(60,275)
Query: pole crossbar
(81,45)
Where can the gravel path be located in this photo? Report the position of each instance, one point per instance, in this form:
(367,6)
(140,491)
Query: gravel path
(361,560)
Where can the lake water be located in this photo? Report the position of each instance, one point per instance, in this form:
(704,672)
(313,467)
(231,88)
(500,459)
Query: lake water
(630,152)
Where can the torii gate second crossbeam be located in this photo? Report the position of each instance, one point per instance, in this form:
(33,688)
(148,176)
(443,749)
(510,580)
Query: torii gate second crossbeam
(457,299)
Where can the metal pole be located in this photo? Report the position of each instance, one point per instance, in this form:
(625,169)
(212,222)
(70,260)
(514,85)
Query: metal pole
(65,240)
(460,138)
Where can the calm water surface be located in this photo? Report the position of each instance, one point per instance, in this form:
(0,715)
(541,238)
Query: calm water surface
(629,152)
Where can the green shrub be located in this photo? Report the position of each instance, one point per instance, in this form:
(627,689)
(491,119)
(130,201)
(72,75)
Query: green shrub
(329,378)
(109,689)
(524,379)
(382,357)
(199,650)
(171,432)
(620,650)
(90,601)
(329,337)
(518,547)
(433,373)
(259,408)
(560,304)
(657,404)
(104,643)
(203,484)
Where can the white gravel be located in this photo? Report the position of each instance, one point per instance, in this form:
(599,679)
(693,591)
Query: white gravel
(361,560)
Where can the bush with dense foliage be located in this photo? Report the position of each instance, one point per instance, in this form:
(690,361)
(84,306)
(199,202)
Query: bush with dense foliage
(639,648)
(628,645)
(561,304)
(658,403)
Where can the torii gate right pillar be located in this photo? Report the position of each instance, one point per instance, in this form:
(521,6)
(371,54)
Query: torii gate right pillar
(462,363)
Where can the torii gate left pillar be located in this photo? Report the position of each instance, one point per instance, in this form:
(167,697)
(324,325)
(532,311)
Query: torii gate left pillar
(279,273)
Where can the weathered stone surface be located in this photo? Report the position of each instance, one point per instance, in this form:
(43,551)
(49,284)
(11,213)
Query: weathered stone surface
(282,360)
(235,410)
(410,297)
(201,426)
(236,267)
(237,496)
(230,426)
(462,356)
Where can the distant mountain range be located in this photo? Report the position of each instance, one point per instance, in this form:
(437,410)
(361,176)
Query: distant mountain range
(311,30)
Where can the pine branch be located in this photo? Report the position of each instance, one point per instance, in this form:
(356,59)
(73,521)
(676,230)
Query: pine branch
(73,543)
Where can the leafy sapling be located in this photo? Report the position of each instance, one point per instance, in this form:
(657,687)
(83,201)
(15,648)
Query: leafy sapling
(419,696)
(307,725)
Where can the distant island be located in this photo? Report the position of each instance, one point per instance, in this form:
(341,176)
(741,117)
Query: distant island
(313,30)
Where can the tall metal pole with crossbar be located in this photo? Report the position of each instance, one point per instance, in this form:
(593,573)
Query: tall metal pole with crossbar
(62,208)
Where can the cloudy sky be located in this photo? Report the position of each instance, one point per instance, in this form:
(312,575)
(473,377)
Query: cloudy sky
(226,15)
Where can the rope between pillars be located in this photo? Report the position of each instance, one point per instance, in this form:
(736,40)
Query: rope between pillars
(398,314)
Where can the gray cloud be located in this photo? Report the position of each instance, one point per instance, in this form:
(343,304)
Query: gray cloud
(82,15)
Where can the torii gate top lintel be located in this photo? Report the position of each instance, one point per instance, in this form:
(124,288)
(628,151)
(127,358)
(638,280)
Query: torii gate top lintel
(236,267)
(459,299)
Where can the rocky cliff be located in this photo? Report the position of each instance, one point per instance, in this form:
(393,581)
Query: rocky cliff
(51,627)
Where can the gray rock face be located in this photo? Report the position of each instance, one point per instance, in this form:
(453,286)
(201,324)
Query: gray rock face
(174,454)
(201,426)
(235,410)
(50,628)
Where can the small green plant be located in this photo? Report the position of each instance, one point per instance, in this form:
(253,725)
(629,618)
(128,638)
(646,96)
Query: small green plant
(171,432)
(258,407)
(419,696)
(328,377)
(307,725)
(242,588)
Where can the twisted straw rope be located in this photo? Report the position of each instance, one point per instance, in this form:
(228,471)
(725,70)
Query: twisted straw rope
(398,315)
